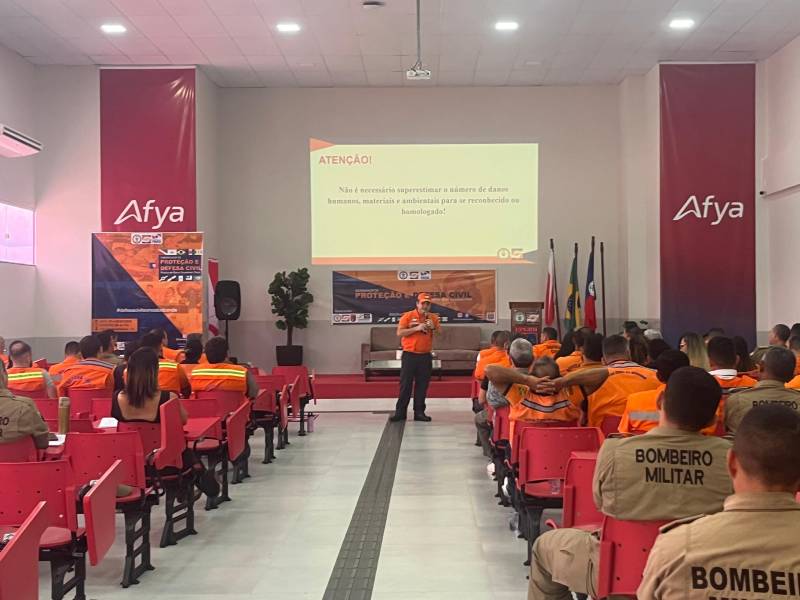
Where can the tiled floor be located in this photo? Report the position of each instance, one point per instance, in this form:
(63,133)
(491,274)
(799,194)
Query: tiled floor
(446,537)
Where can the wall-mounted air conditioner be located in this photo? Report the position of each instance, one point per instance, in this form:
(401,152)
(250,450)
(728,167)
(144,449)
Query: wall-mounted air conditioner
(14,144)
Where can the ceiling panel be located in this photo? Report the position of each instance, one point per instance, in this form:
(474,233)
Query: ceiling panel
(559,42)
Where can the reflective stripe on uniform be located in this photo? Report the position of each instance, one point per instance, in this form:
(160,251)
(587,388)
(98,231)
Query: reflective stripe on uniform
(544,407)
(168,365)
(29,376)
(644,415)
(217,372)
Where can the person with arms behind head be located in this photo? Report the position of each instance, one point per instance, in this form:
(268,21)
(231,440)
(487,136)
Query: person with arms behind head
(72,354)
(749,550)
(549,345)
(695,348)
(778,371)
(642,478)
(416,330)
(23,377)
(19,416)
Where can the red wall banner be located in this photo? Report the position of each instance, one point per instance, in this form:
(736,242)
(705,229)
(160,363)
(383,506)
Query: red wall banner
(147,150)
(708,199)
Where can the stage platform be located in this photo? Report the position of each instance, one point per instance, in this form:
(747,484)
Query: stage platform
(354,386)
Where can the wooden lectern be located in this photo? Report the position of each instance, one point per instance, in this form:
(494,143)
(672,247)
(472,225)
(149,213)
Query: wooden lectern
(526,320)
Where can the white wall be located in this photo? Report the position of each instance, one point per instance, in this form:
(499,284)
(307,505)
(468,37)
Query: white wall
(264,194)
(17,282)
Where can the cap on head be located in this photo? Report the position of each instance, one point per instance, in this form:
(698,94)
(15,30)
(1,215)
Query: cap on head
(423,297)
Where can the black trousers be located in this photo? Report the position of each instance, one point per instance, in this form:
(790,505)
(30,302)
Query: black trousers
(415,374)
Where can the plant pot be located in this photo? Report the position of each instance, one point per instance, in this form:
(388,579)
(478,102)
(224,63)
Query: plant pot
(289,356)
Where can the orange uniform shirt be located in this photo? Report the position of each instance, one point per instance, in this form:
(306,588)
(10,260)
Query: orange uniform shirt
(220,376)
(729,380)
(549,348)
(173,355)
(624,378)
(567,364)
(57,370)
(797,365)
(418,343)
(641,411)
(490,356)
(171,378)
(87,374)
(531,407)
(4,358)
(794,383)
(22,379)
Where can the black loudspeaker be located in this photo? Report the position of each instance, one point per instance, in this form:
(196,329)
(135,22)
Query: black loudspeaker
(227,300)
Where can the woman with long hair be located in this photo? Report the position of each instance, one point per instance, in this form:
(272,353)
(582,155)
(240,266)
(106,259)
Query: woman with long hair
(693,346)
(745,364)
(638,348)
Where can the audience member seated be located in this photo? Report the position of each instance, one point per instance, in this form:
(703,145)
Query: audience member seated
(193,352)
(496,353)
(568,362)
(90,373)
(170,376)
(745,364)
(609,386)
(638,349)
(550,344)
(778,371)
(19,416)
(592,351)
(3,355)
(794,346)
(723,362)
(119,371)
(778,336)
(108,345)
(167,352)
(219,374)
(526,403)
(695,348)
(72,354)
(23,376)
(630,329)
(642,409)
(712,333)
(670,472)
(654,349)
(140,402)
(750,549)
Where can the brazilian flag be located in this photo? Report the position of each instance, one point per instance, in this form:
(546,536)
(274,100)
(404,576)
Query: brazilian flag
(572,315)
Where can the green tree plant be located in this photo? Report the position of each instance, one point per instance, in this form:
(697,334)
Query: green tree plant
(290,301)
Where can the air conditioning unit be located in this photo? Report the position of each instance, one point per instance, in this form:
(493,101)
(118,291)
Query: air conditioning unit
(14,144)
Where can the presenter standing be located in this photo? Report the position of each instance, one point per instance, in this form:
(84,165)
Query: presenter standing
(416,330)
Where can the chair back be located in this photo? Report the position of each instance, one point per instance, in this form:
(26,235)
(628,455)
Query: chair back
(295,392)
(80,401)
(579,507)
(19,560)
(149,434)
(298,374)
(520,426)
(624,548)
(101,407)
(204,407)
(41,363)
(610,425)
(501,430)
(48,407)
(272,385)
(173,440)
(20,450)
(51,481)
(283,403)
(91,455)
(236,429)
(229,401)
(32,394)
(545,451)
(78,425)
(99,509)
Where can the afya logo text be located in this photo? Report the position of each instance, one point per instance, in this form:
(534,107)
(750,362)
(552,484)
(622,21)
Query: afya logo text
(150,214)
(710,209)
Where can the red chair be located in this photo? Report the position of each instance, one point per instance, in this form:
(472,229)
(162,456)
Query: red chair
(20,450)
(543,456)
(64,544)
(32,394)
(624,548)
(610,425)
(266,410)
(579,507)
(284,399)
(48,408)
(302,395)
(237,446)
(76,425)
(80,401)
(90,455)
(214,446)
(19,560)
(41,364)
(229,401)
(101,408)
(501,432)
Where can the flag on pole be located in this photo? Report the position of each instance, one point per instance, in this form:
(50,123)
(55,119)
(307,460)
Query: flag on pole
(550,294)
(211,284)
(572,316)
(591,294)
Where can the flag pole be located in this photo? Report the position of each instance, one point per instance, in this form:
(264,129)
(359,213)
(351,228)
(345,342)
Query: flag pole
(555,288)
(603,282)
(575,308)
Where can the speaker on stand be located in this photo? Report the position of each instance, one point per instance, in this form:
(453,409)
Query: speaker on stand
(227,302)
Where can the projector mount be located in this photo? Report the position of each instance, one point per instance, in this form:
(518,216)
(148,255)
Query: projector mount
(417,72)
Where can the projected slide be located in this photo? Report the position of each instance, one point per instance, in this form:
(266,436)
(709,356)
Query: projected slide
(423,203)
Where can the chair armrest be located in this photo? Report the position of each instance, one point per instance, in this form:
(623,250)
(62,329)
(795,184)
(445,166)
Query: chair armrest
(365,351)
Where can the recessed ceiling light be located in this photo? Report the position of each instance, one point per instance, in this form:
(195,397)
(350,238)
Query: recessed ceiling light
(288,27)
(506,26)
(681,23)
(113,28)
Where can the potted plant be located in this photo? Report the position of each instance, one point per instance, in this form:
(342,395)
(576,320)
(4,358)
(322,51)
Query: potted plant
(290,301)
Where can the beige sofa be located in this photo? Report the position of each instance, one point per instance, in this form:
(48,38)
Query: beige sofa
(456,346)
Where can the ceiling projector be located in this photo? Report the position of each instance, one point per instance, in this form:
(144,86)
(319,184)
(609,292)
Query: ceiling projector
(418,74)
